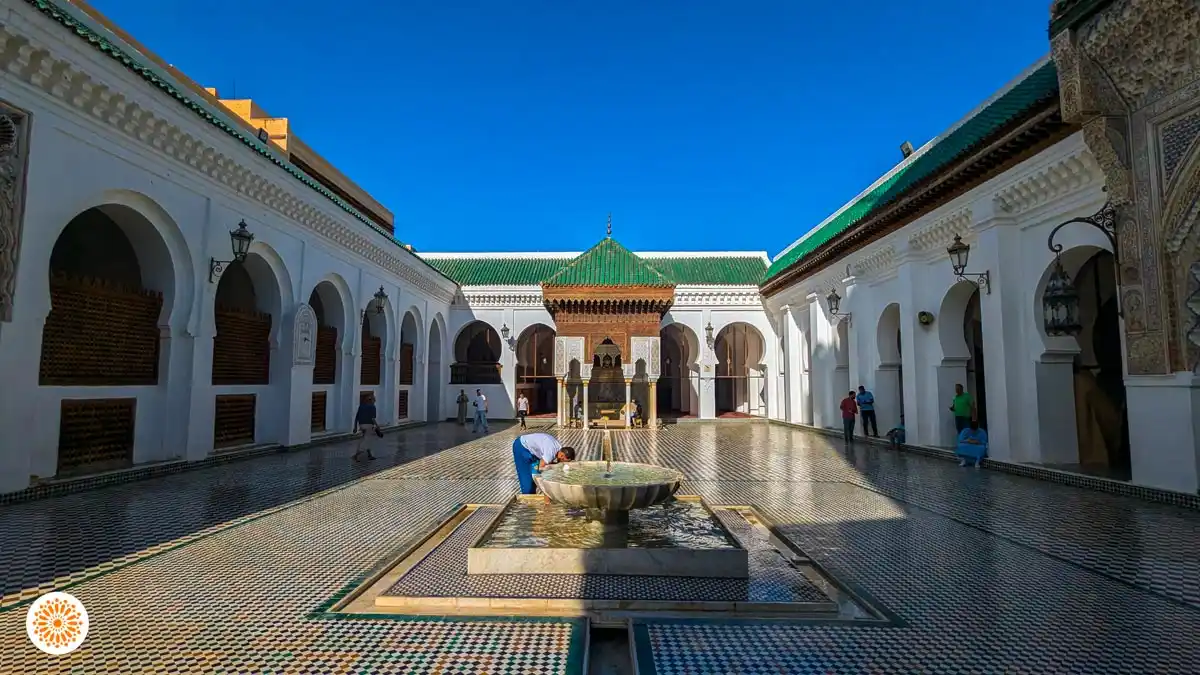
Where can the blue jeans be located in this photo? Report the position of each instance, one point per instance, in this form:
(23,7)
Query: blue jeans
(525,461)
(480,420)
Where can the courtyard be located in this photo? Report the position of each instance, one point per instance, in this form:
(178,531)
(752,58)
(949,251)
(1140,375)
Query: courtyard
(232,568)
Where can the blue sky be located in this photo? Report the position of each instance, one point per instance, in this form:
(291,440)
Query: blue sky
(508,125)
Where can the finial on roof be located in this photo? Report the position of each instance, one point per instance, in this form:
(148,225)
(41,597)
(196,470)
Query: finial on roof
(609,232)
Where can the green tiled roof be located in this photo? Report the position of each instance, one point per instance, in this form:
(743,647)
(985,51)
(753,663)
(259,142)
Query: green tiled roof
(608,264)
(499,271)
(715,269)
(1039,86)
(99,39)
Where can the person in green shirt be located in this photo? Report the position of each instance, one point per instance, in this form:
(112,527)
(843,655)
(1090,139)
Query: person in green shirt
(963,408)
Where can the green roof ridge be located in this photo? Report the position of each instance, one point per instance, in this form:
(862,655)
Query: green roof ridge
(608,263)
(698,268)
(1029,91)
(217,118)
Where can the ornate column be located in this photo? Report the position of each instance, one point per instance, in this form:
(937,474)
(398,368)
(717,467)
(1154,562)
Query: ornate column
(653,404)
(559,395)
(586,415)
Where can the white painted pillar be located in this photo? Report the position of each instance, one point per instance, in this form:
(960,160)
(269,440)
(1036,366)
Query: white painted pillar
(562,397)
(919,422)
(856,368)
(824,385)
(1010,437)
(1164,430)
(1057,440)
(792,350)
(707,394)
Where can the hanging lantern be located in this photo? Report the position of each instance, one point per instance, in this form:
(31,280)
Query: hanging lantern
(835,302)
(1060,303)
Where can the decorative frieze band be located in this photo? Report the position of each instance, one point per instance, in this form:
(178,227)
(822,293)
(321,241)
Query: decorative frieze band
(875,263)
(517,299)
(739,296)
(941,233)
(1067,175)
(38,65)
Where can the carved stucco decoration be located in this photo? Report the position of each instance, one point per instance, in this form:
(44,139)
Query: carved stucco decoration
(1193,307)
(645,349)
(14,141)
(1124,75)
(1147,48)
(560,357)
(567,349)
(1175,140)
(305,336)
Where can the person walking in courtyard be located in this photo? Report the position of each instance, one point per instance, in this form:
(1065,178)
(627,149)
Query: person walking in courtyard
(866,407)
(534,452)
(972,444)
(963,407)
(849,412)
(522,408)
(576,410)
(364,422)
(481,411)
(462,407)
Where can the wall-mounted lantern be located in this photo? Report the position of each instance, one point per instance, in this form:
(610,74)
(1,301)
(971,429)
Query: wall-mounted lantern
(708,335)
(960,253)
(380,298)
(835,304)
(241,238)
(1060,300)
(504,333)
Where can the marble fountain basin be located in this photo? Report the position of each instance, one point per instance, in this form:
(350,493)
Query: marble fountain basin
(679,538)
(609,486)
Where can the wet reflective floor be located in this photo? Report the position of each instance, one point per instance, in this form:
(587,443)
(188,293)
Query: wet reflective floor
(218,570)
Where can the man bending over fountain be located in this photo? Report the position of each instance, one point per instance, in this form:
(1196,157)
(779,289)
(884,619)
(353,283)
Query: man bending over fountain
(534,452)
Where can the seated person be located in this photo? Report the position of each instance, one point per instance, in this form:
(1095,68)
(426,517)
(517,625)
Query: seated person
(972,444)
(534,452)
(896,434)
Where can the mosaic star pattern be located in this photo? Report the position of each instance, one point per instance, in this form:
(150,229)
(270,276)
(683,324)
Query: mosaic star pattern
(986,572)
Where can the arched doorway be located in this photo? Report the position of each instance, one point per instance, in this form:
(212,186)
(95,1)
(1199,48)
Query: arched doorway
(889,376)
(246,311)
(409,330)
(1102,415)
(740,385)
(1096,375)
(679,379)
(476,355)
(329,303)
(434,380)
(960,334)
(535,369)
(606,388)
(373,338)
(111,279)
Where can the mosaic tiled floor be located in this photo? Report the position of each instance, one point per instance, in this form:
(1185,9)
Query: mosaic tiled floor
(443,574)
(986,572)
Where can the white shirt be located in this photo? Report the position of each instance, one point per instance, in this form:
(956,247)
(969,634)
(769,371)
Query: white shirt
(481,403)
(543,446)
(523,404)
